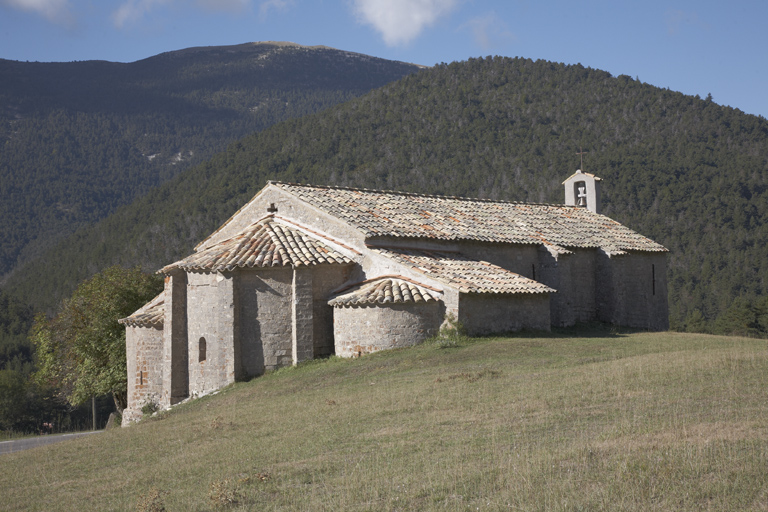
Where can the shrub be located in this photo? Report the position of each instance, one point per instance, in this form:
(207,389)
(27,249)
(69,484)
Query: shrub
(149,409)
(451,333)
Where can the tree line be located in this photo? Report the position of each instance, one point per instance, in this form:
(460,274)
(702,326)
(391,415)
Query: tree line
(682,170)
(685,171)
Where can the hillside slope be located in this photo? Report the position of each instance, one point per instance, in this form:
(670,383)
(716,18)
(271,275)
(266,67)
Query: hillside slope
(689,173)
(79,139)
(637,422)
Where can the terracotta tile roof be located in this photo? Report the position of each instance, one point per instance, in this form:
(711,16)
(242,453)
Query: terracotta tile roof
(468,275)
(384,290)
(263,244)
(150,314)
(395,214)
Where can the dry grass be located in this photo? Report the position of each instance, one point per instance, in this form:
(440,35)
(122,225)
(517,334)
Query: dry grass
(610,422)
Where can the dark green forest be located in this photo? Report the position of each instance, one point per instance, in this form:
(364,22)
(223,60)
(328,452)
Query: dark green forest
(683,170)
(79,139)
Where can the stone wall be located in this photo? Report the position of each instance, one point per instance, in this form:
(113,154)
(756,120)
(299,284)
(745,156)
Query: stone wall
(288,206)
(265,313)
(211,319)
(325,279)
(362,330)
(632,290)
(144,346)
(489,313)
(175,351)
(302,324)
(574,277)
(520,259)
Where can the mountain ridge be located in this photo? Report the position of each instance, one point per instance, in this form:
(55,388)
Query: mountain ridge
(683,171)
(81,138)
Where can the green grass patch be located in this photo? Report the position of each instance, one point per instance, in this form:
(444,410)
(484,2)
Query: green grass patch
(614,421)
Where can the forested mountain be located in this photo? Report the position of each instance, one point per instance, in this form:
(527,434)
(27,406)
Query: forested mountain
(79,139)
(684,171)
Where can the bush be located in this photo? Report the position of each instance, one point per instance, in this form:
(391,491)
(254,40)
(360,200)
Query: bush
(451,333)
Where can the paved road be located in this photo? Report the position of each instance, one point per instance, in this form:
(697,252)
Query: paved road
(31,442)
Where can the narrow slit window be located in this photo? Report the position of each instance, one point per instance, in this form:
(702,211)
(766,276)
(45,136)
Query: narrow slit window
(201,350)
(653,278)
(141,378)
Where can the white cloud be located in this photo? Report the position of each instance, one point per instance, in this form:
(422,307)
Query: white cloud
(134,10)
(57,11)
(401,21)
(489,31)
(233,6)
(273,5)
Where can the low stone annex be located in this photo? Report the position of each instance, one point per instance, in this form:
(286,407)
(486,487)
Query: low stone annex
(306,271)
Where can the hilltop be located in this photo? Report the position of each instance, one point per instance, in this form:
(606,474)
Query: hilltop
(609,421)
(685,171)
(80,139)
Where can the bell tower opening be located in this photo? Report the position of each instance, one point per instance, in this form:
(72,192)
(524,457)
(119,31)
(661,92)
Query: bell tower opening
(583,189)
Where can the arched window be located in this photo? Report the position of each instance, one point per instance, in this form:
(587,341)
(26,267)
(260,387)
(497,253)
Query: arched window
(201,349)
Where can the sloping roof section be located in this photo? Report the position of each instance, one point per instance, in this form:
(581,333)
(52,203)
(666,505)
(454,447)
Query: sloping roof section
(150,314)
(580,173)
(385,290)
(379,213)
(468,275)
(263,244)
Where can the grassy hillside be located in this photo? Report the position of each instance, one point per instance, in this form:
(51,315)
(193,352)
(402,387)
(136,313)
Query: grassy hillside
(79,139)
(687,172)
(607,422)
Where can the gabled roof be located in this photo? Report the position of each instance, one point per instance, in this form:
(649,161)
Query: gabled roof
(378,213)
(263,244)
(463,273)
(385,290)
(150,314)
(580,173)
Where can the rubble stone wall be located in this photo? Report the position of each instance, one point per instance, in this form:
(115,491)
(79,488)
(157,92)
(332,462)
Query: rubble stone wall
(325,279)
(145,369)
(489,313)
(632,290)
(211,327)
(265,312)
(574,301)
(361,330)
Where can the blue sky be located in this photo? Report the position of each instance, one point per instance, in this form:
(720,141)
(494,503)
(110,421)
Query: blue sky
(696,47)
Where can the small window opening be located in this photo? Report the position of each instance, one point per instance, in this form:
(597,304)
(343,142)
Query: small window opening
(653,278)
(533,271)
(580,193)
(201,350)
(141,378)
(272,208)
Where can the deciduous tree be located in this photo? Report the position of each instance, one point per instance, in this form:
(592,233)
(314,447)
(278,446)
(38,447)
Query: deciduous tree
(81,350)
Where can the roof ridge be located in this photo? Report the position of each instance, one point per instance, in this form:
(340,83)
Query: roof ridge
(401,277)
(288,246)
(415,194)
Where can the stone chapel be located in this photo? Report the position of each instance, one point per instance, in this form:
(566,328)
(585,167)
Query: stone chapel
(304,271)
